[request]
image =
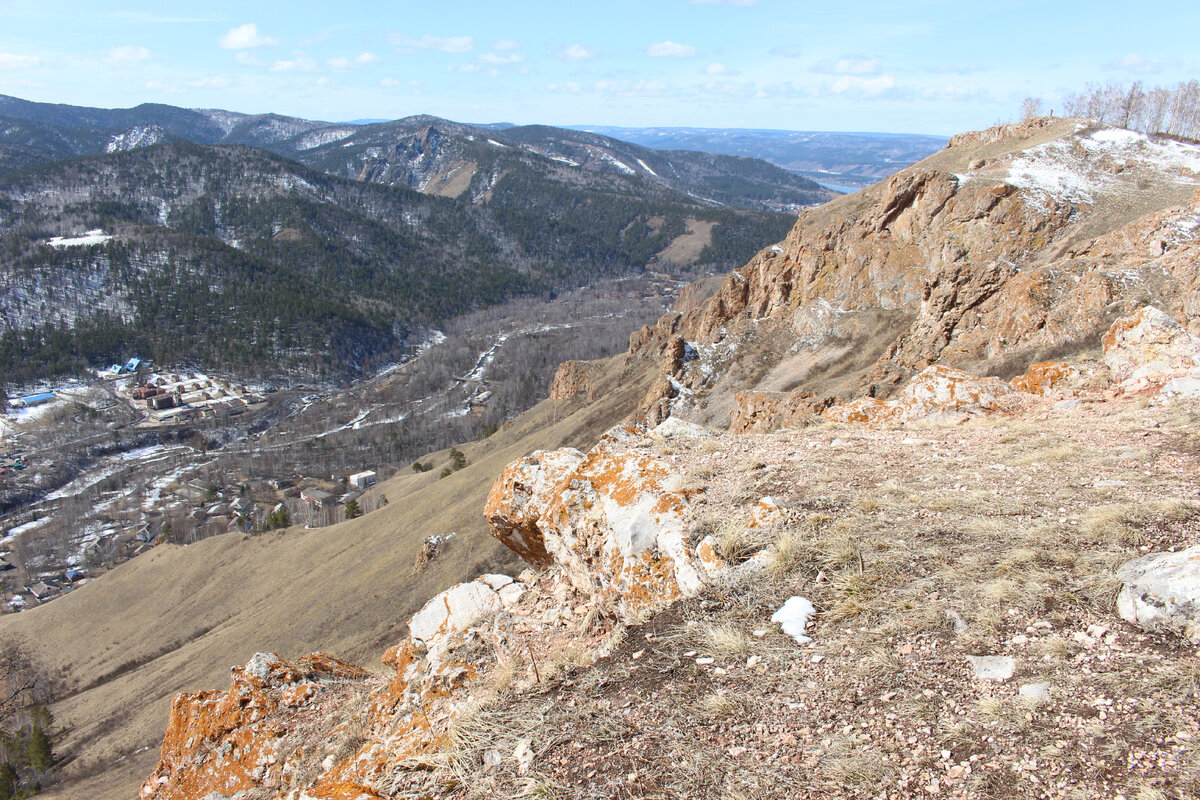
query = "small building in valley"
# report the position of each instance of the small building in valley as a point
(362, 480)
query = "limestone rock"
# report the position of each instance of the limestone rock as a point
(993, 668)
(606, 520)
(937, 390)
(1162, 591)
(1149, 338)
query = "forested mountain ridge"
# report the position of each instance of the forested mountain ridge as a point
(241, 258)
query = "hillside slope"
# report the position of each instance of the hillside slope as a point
(178, 616)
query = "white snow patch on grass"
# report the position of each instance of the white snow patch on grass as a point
(646, 167)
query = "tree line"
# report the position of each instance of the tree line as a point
(1172, 110)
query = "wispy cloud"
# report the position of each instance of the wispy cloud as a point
(443, 44)
(787, 50)
(344, 64)
(717, 68)
(1133, 62)
(126, 55)
(14, 61)
(669, 49)
(863, 86)
(301, 63)
(501, 59)
(576, 52)
(848, 66)
(245, 37)
(507, 44)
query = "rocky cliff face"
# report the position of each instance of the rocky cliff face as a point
(1018, 240)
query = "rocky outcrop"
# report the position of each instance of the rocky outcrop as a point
(608, 521)
(221, 743)
(606, 532)
(976, 248)
(1162, 592)
(939, 393)
(572, 378)
(1149, 343)
(762, 412)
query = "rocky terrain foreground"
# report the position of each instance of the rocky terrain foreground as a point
(908, 507)
(980, 591)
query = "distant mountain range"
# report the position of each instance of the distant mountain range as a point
(282, 244)
(850, 160)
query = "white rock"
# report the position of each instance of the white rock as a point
(1182, 387)
(673, 427)
(993, 668)
(1162, 591)
(1035, 691)
(1150, 339)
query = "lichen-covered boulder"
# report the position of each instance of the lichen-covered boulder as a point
(1162, 592)
(1147, 343)
(1044, 376)
(938, 391)
(608, 520)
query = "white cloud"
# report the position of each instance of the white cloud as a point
(848, 66)
(444, 44)
(506, 44)
(343, 64)
(576, 52)
(249, 59)
(856, 84)
(126, 55)
(787, 51)
(301, 63)
(1133, 62)
(497, 59)
(216, 82)
(14, 61)
(244, 37)
(718, 68)
(669, 49)
(388, 82)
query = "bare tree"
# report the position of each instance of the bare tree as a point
(1031, 107)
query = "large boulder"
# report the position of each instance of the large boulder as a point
(938, 392)
(610, 521)
(1147, 343)
(1162, 592)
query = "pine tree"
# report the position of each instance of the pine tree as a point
(39, 755)
(8, 781)
(352, 509)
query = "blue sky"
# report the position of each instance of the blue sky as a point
(922, 66)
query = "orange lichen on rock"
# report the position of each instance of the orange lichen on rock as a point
(224, 742)
(1043, 376)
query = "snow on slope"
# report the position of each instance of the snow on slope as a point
(1079, 168)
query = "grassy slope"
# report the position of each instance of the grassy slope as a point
(177, 618)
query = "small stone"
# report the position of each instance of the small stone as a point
(705, 661)
(753, 661)
(760, 633)
(993, 668)
(1035, 691)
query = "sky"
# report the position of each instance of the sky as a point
(916, 66)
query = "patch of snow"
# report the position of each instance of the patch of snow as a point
(646, 167)
(793, 617)
(1077, 168)
(497, 144)
(92, 237)
(562, 160)
(324, 136)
